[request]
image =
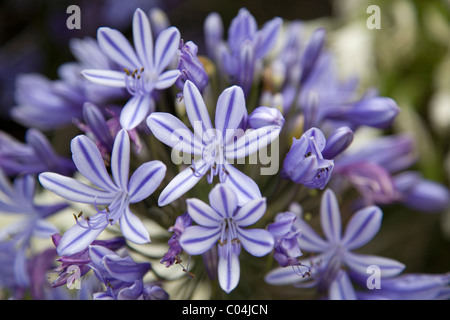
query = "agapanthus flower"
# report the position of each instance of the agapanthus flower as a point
(304, 163)
(335, 264)
(122, 276)
(144, 66)
(286, 233)
(224, 221)
(173, 255)
(212, 147)
(116, 195)
(18, 199)
(241, 56)
(34, 156)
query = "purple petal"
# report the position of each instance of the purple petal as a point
(166, 47)
(251, 141)
(197, 240)
(110, 78)
(145, 180)
(89, 162)
(25, 187)
(229, 111)
(133, 229)
(196, 110)
(171, 131)
(203, 214)
(120, 159)
(243, 27)
(114, 44)
(330, 216)
(267, 37)
(229, 271)
(166, 79)
(135, 111)
(44, 229)
(257, 242)
(245, 188)
(180, 184)
(362, 227)
(74, 190)
(77, 239)
(97, 123)
(309, 240)
(223, 200)
(143, 39)
(251, 212)
(359, 263)
(341, 288)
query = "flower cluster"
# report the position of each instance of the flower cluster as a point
(240, 152)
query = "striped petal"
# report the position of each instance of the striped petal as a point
(257, 242)
(245, 188)
(251, 212)
(166, 47)
(145, 180)
(309, 240)
(330, 216)
(223, 200)
(133, 229)
(359, 263)
(181, 183)
(196, 110)
(120, 159)
(110, 78)
(74, 190)
(229, 271)
(203, 214)
(197, 240)
(89, 162)
(143, 39)
(341, 288)
(166, 79)
(114, 44)
(135, 111)
(251, 142)
(362, 227)
(229, 111)
(78, 238)
(171, 131)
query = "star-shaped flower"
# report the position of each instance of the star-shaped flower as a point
(144, 66)
(116, 194)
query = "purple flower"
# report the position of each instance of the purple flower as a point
(143, 66)
(77, 265)
(286, 234)
(242, 55)
(305, 164)
(223, 221)
(173, 255)
(18, 199)
(421, 194)
(212, 147)
(115, 194)
(34, 156)
(334, 263)
(265, 116)
(191, 67)
(121, 275)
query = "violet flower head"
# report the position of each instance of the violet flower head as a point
(335, 264)
(122, 277)
(242, 55)
(191, 67)
(223, 221)
(34, 156)
(286, 234)
(305, 164)
(116, 194)
(173, 255)
(144, 67)
(211, 147)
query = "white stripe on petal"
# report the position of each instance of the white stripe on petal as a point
(203, 214)
(145, 180)
(341, 288)
(245, 188)
(120, 159)
(359, 263)
(197, 240)
(330, 216)
(132, 228)
(114, 44)
(143, 39)
(110, 78)
(135, 111)
(251, 212)
(362, 227)
(229, 272)
(166, 47)
(229, 111)
(257, 242)
(167, 79)
(224, 200)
